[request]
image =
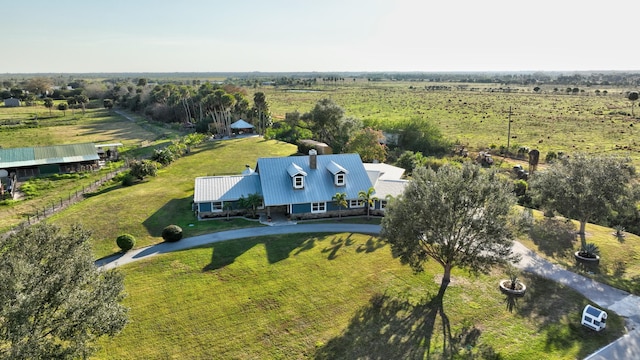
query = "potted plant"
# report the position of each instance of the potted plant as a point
(513, 285)
(589, 252)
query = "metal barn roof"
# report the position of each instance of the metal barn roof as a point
(57, 154)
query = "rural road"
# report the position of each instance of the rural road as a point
(621, 302)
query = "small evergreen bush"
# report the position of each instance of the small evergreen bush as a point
(172, 233)
(128, 180)
(126, 242)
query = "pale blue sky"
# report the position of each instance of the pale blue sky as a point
(327, 35)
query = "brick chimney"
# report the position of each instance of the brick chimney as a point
(313, 159)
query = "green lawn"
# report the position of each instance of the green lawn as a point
(556, 240)
(97, 125)
(145, 208)
(336, 296)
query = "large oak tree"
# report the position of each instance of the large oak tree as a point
(54, 301)
(585, 188)
(455, 216)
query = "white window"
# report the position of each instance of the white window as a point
(298, 182)
(340, 179)
(216, 206)
(356, 203)
(383, 204)
(318, 207)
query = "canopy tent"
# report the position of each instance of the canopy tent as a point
(241, 124)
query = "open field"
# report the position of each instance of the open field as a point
(339, 296)
(98, 126)
(299, 296)
(478, 119)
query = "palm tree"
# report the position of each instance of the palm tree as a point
(227, 207)
(227, 101)
(340, 199)
(251, 203)
(48, 103)
(185, 93)
(368, 198)
(261, 106)
(82, 99)
(71, 101)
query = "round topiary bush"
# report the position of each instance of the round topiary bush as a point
(172, 233)
(126, 242)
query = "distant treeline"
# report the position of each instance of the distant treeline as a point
(578, 78)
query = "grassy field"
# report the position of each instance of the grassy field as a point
(145, 208)
(546, 121)
(97, 126)
(333, 296)
(338, 296)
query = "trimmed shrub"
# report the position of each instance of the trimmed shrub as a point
(128, 180)
(126, 242)
(172, 233)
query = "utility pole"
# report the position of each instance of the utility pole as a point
(509, 132)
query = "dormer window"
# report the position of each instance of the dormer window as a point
(297, 176)
(339, 174)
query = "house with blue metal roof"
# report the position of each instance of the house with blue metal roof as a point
(302, 187)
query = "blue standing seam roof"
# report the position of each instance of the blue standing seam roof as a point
(319, 186)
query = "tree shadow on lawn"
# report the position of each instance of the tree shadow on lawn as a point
(278, 247)
(337, 242)
(175, 211)
(553, 237)
(549, 303)
(394, 328)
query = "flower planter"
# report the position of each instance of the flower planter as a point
(505, 287)
(586, 260)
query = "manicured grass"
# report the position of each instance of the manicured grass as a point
(556, 240)
(145, 208)
(339, 296)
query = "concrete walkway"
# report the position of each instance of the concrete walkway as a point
(607, 297)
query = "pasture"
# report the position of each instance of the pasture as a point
(478, 119)
(333, 296)
(96, 125)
